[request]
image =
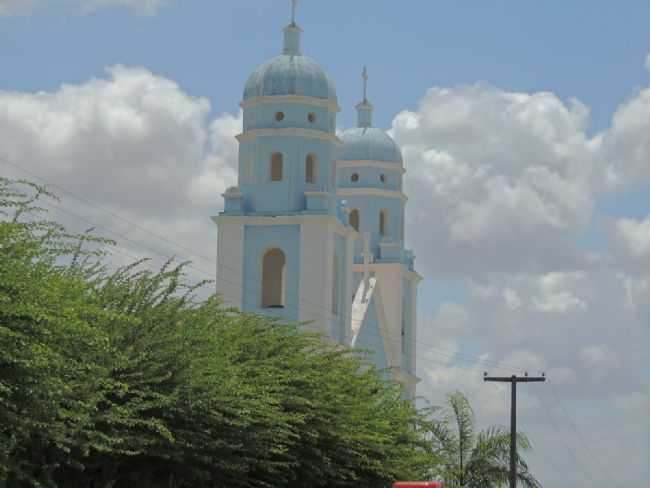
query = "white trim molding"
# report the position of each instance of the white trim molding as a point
(289, 131)
(336, 224)
(316, 193)
(371, 192)
(371, 164)
(297, 99)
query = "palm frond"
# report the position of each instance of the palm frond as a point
(464, 418)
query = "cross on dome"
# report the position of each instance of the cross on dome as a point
(364, 75)
(365, 107)
(294, 8)
(292, 33)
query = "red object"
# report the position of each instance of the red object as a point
(418, 484)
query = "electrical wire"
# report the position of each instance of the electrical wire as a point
(431, 349)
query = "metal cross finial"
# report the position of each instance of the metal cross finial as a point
(364, 75)
(294, 7)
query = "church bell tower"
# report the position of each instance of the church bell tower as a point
(283, 249)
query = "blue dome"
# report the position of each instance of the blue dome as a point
(369, 144)
(290, 75)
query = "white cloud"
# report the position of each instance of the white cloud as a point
(599, 360)
(501, 184)
(555, 293)
(626, 145)
(8, 7)
(146, 6)
(136, 144)
(501, 180)
(11, 7)
(630, 239)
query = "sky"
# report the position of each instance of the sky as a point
(525, 128)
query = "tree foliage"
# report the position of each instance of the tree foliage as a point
(470, 459)
(124, 378)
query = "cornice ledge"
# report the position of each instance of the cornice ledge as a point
(298, 99)
(376, 192)
(289, 131)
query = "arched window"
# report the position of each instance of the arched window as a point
(311, 169)
(354, 219)
(383, 221)
(354, 177)
(273, 266)
(276, 167)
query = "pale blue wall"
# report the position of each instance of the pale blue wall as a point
(370, 178)
(295, 115)
(261, 195)
(258, 240)
(369, 208)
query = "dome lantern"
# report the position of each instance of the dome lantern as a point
(292, 34)
(365, 108)
(365, 142)
(292, 40)
(291, 73)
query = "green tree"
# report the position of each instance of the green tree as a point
(471, 459)
(124, 378)
(50, 366)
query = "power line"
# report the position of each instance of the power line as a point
(105, 210)
(577, 460)
(581, 438)
(457, 356)
(192, 253)
(116, 248)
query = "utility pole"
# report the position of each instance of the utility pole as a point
(513, 380)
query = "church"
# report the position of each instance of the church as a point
(314, 231)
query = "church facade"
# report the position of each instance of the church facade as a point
(314, 231)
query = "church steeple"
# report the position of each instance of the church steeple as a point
(365, 108)
(292, 33)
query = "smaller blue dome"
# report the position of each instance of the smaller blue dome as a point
(369, 144)
(290, 75)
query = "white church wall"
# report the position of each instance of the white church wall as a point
(230, 261)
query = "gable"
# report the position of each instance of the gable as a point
(369, 328)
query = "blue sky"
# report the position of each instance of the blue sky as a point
(532, 231)
(592, 50)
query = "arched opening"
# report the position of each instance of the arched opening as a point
(354, 219)
(311, 170)
(354, 177)
(273, 266)
(383, 221)
(277, 162)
